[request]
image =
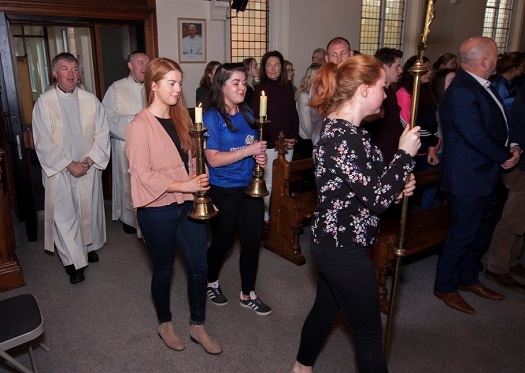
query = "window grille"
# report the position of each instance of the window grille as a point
(496, 24)
(249, 31)
(381, 25)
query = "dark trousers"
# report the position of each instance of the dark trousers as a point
(163, 228)
(346, 282)
(471, 227)
(237, 212)
(507, 241)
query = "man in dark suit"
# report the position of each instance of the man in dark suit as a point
(478, 144)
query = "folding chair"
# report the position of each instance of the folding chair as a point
(20, 322)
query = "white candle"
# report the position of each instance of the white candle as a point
(198, 114)
(263, 105)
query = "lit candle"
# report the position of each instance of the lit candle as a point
(263, 105)
(198, 114)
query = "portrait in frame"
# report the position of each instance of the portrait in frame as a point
(192, 40)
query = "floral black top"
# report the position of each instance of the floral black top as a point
(353, 185)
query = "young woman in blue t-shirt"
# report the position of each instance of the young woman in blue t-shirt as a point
(231, 152)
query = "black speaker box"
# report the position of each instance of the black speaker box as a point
(239, 5)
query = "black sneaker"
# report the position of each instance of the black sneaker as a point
(255, 304)
(216, 296)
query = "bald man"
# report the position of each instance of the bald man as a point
(478, 143)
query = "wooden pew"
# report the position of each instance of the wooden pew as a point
(425, 230)
(291, 206)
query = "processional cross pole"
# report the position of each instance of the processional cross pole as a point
(399, 252)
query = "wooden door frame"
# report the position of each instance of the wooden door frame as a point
(36, 11)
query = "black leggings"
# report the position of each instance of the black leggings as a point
(237, 212)
(346, 282)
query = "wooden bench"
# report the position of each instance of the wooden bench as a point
(291, 205)
(424, 230)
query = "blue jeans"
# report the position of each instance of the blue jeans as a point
(163, 228)
(346, 283)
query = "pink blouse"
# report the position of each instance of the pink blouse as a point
(154, 163)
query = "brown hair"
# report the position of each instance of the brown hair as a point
(335, 84)
(507, 61)
(156, 70)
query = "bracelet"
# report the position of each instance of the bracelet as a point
(238, 155)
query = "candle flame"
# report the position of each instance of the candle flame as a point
(200, 104)
(262, 93)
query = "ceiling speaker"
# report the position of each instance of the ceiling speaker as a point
(239, 5)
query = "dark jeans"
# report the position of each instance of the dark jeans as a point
(163, 228)
(237, 212)
(346, 282)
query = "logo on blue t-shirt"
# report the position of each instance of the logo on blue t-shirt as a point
(249, 139)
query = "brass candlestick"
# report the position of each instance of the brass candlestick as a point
(202, 205)
(257, 186)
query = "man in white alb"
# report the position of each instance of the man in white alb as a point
(72, 143)
(192, 44)
(122, 101)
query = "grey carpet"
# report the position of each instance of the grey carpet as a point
(107, 323)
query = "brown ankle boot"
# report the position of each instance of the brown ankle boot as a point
(169, 335)
(199, 334)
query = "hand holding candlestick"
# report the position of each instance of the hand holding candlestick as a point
(202, 205)
(257, 186)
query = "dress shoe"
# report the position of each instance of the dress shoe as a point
(505, 280)
(518, 270)
(128, 228)
(93, 257)
(454, 300)
(199, 335)
(481, 290)
(76, 276)
(170, 337)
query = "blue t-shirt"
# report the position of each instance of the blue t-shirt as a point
(219, 137)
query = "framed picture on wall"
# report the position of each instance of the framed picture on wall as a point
(192, 40)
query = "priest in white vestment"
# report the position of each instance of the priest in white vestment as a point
(122, 101)
(72, 143)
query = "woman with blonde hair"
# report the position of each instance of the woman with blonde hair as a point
(302, 98)
(161, 153)
(353, 187)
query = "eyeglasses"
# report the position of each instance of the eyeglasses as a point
(290, 70)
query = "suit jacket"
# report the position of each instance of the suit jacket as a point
(475, 138)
